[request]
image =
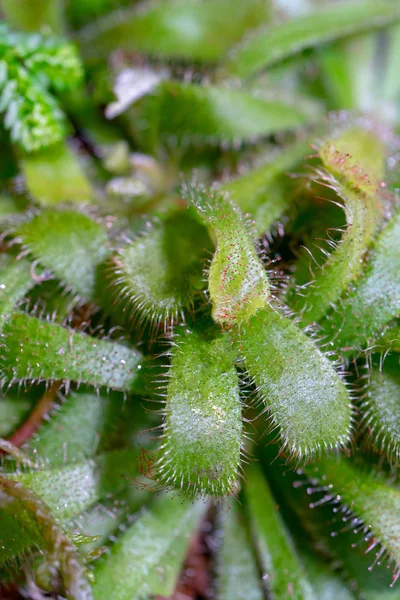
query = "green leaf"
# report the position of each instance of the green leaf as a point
(138, 560)
(39, 350)
(380, 408)
(355, 165)
(304, 394)
(202, 438)
(260, 192)
(286, 577)
(237, 282)
(197, 31)
(68, 243)
(370, 499)
(54, 175)
(12, 411)
(29, 16)
(29, 65)
(15, 282)
(374, 300)
(192, 114)
(31, 510)
(237, 573)
(71, 489)
(278, 42)
(158, 275)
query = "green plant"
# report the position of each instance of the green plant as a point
(200, 299)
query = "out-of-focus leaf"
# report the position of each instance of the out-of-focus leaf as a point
(192, 114)
(28, 16)
(54, 175)
(198, 31)
(276, 43)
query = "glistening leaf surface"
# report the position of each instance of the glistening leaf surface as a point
(202, 436)
(278, 42)
(39, 350)
(304, 394)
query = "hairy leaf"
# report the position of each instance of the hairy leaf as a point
(381, 408)
(196, 31)
(68, 243)
(374, 502)
(15, 499)
(237, 573)
(286, 576)
(15, 282)
(69, 490)
(158, 274)
(202, 437)
(237, 282)
(305, 396)
(355, 163)
(136, 562)
(39, 350)
(272, 45)
(374, 300)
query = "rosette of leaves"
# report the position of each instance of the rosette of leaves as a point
(199, 300)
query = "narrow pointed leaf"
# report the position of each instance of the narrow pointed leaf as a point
(276, 43)
(68, 243)
(285, 575)
(136, 561)
(39, 350)
(304, 394)
(237, 281)
(202, 438)
(237, 573)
